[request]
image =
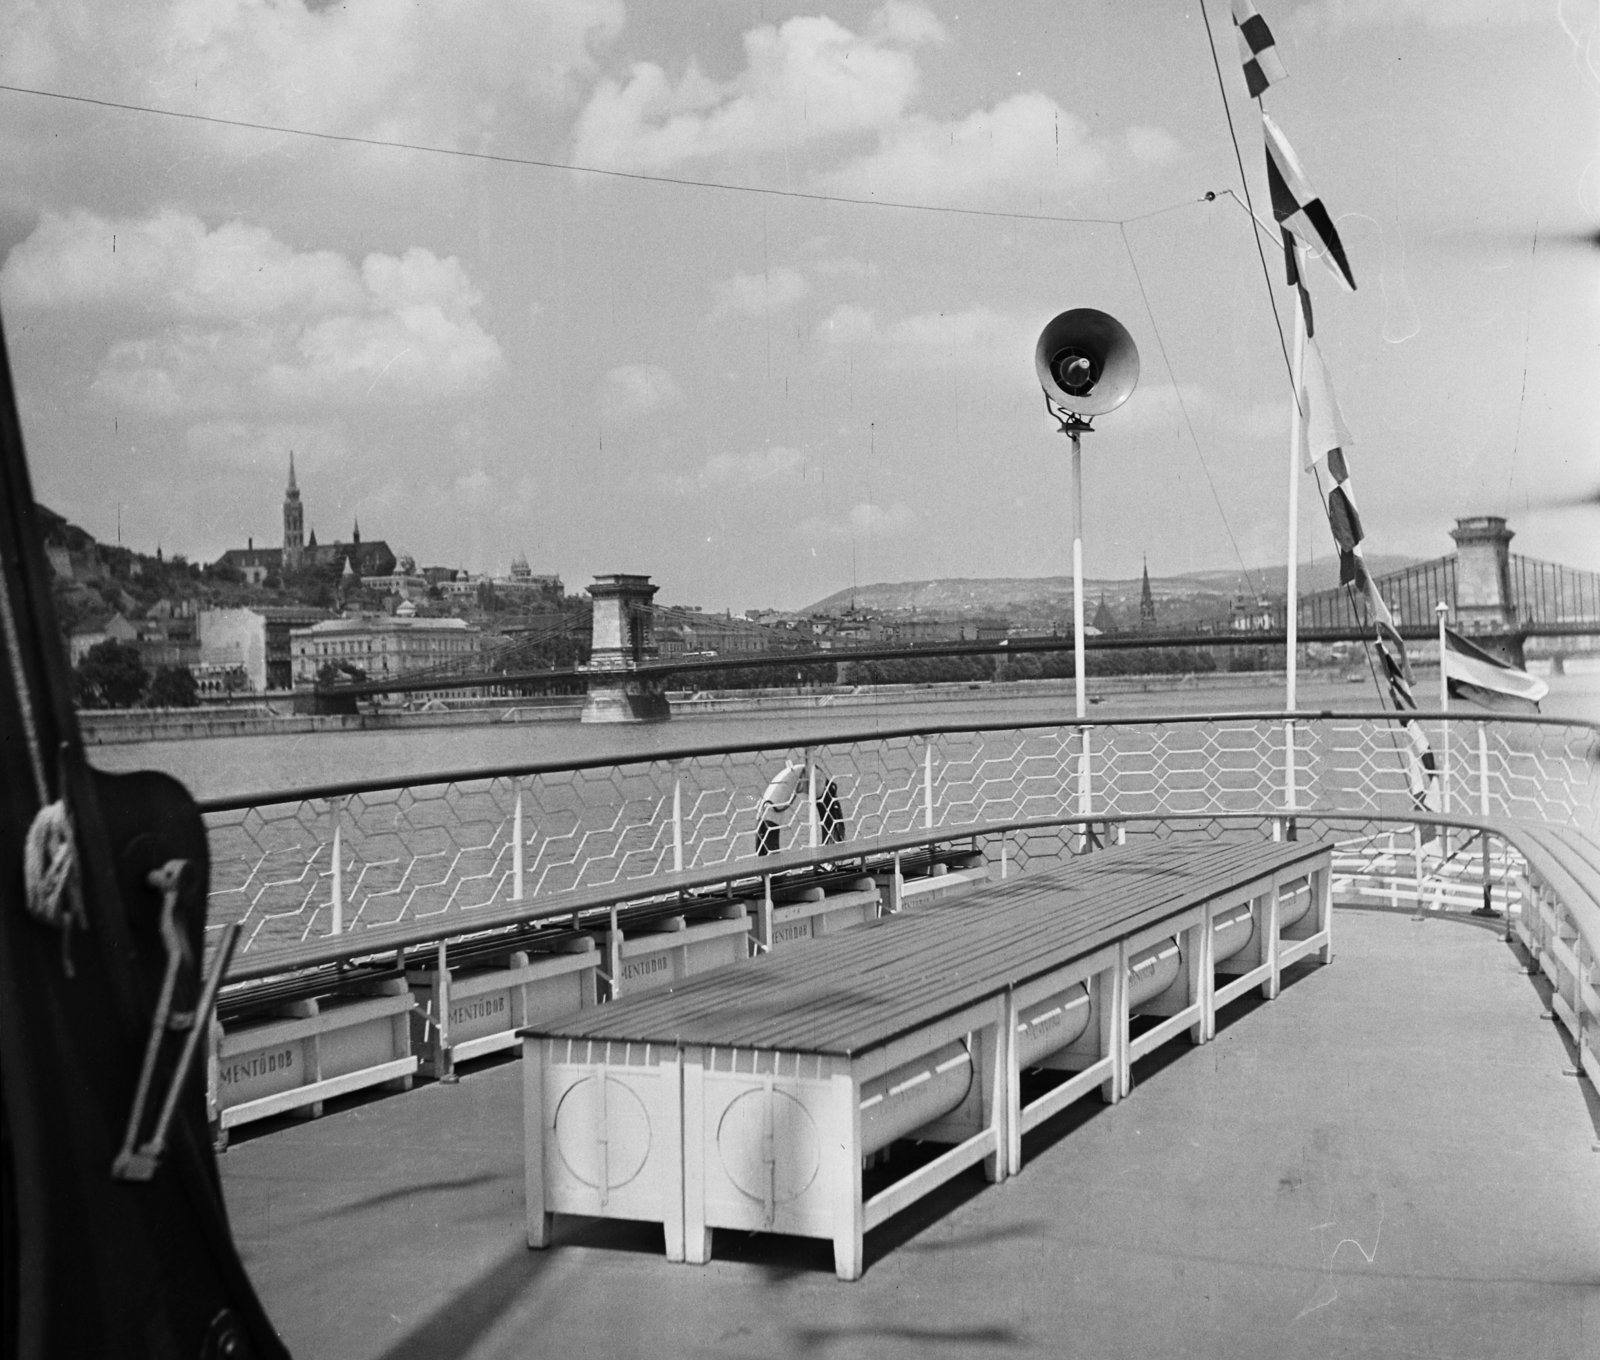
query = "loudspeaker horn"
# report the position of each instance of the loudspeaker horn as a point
(1087, 362)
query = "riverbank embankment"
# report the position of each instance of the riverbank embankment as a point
(137, 726)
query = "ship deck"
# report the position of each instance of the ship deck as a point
(1393, 1158)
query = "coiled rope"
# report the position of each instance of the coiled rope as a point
(50, 875)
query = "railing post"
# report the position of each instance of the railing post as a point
(764, 925)
(1483, 770)
(896, 882)
(1005, 843)
(516, 847)
(1416, 856)
(813, 819)
(1488, 888)
(927, 785)
(338, 866)
(614, 954)
(444, 1062)
(1085, 789)
(677, 821)
(1290, 781)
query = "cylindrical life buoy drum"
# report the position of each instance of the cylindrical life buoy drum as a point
(1151, 971)
(1293, 905)
(1053, 1023)
(1231, 931)
(913, 1095)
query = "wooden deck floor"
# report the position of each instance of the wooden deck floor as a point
(1389, 1160)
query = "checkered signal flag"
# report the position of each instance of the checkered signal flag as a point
(1297, 208)
(1325, 437)
(1257, 50)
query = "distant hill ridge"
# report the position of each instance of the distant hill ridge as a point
(1034, 595)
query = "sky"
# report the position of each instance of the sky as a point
(760, 394)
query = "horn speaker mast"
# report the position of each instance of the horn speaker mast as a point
(1087, 365)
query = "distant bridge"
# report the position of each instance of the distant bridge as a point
(1504, 600)
(520, 678)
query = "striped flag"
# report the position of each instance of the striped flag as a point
(1257, 50)
(1297, 208)
(1474, 674)
(1422, 770)
(1343, 517)
(1325, 437)
(1291, 262)
(1321, 420)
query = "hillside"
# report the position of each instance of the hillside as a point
(1198, 595)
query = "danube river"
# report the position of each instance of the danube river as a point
(239, 766)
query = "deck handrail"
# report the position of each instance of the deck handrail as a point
(527, 769)
(325, 873)
(372, 942)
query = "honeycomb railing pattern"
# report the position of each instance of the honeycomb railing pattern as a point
(354, 859)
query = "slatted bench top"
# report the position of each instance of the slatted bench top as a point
(864, 988)
(1567, 859)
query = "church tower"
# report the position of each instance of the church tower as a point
(1147, 601)
(294, 542)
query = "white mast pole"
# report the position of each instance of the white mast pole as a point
(1292, 602)
(1084, 777)
(1077, 571)
(1292, 609)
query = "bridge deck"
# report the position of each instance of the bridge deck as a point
(1390, 1159)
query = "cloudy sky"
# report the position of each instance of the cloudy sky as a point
(757, 397)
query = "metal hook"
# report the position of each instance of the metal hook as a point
(139, 1164)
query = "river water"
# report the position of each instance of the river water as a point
(227, 767)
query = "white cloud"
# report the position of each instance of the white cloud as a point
(865, 520)
(806, 80)
(250, 322)
(170, 264)
(1158, 406)
(1027, 151)
(440, 73)
(1431, 13)
(634, 390)
(977, 336)
(1151, 145)
(1262, 420)
(239, 443)
(752, 469)
(757, 294)
(845, 266)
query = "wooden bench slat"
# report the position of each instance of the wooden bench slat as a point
(883, 978)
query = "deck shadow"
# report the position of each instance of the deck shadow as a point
(812, 1339)
(1495, 924)
(370, 1095)
(456, 1324)
(1544, 989)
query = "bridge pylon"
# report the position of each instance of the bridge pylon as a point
(623, 638)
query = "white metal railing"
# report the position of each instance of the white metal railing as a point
(354, 859)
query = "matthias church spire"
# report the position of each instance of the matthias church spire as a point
(293, 523)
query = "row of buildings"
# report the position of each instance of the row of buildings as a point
(263, 648)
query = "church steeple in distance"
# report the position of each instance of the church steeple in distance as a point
(293, 523)
(1147, 601)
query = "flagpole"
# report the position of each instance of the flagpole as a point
(1292, 614)
(1443, 611)
(1292, 602)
